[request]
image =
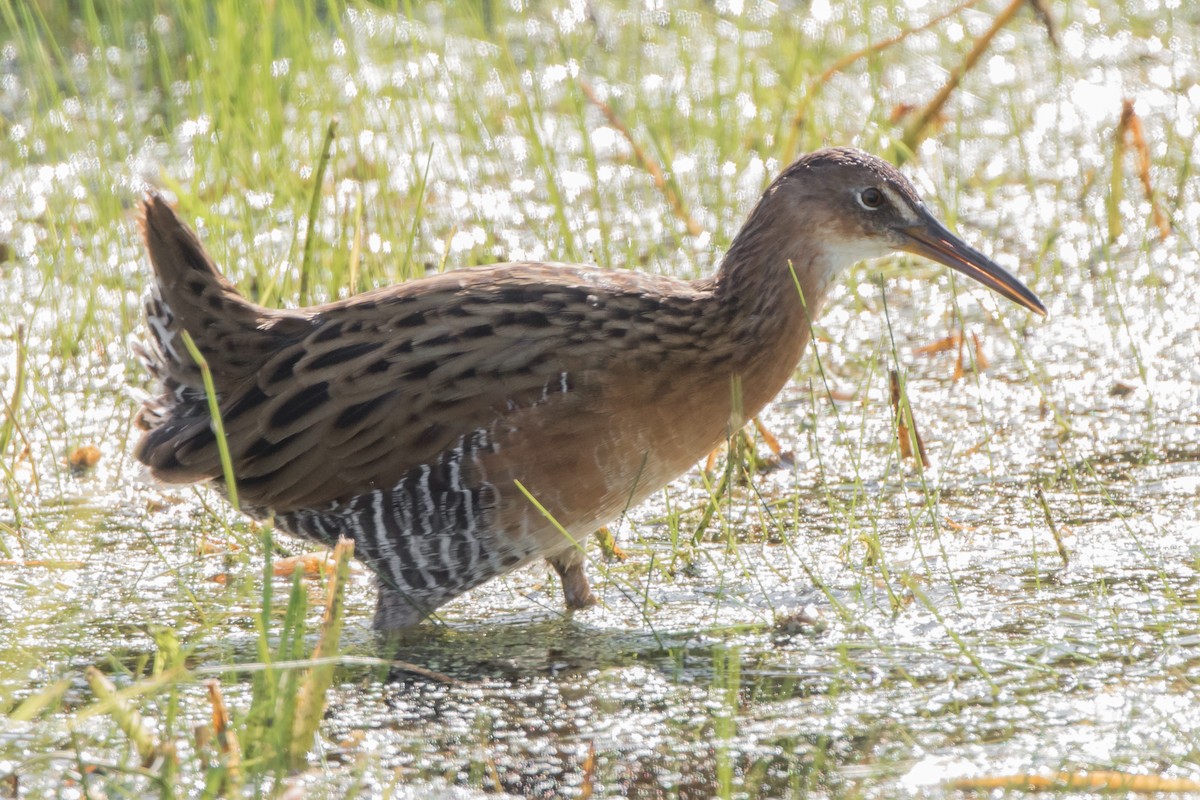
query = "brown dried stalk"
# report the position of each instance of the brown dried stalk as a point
(648, 164)
(916, 131)
(227, 740)
(1130, 132)
(906, 426)
(1102, 780)
(788, 151)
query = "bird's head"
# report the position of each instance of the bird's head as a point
(854, 206)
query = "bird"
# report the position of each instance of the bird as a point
(459, 426)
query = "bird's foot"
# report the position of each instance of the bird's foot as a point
(576, 590)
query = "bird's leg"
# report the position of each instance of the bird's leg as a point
(569, 566)
(394, 610)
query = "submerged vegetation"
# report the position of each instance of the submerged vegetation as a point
(1002, 598)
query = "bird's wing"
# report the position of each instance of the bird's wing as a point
(322, 403)
(382, 384)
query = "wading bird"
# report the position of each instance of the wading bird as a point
(420, 419)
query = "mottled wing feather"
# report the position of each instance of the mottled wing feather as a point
(398, 383)
(331, 401)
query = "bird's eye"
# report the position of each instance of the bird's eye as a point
(870, 198)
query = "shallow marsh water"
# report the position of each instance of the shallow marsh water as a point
(847, 624)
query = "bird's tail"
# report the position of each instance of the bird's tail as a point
(234, 335)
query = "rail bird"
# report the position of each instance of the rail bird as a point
(420, 419)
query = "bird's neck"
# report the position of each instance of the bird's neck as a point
(770, 291)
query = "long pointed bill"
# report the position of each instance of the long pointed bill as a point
(931, 239)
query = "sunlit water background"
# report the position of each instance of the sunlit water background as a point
(850, 624)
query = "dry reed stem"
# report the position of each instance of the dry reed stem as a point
(906, 426)
(1130, 131)
(981, 362)
(940, 346)
(307, 564)
(310, 564)
(957, 341)
(648, 164)
(227, 740)
(310, 699)
(771, 441)
(1103, 780)
(788, 151)
(958, 362)
(918, 128)
(608, 543)
(768, 437)
(587, 785)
